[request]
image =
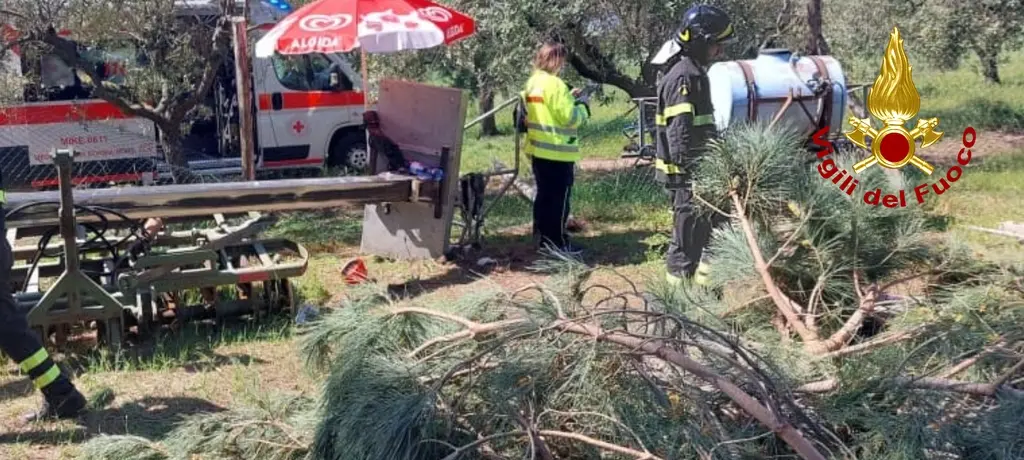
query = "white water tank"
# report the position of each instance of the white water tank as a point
(758, 89)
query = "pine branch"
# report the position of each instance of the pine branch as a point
(743, 305)
(783, 429)
(763, 414)
(601, 444)
(537, 444)
(792, 236)
(969, 362)
(1008, 374)
(878, 342)
(865, 306)
(460, 451)
(782, 302)
(923, 383)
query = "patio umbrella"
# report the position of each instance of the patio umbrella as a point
(375, 26)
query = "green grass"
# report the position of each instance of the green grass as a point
(193, 347)
(988, 194)
(961, 97)
(626, 197)
(600, 138)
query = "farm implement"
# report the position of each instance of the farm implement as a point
(84, 257)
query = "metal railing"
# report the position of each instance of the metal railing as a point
(472, 224)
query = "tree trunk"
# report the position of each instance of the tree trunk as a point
(990, 66)
(488, 126)
(816, 44)
(174, 154)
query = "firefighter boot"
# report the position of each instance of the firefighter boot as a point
(699, 278)
(703, 272)
(61, 400)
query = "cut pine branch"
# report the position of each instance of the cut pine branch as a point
(790, 309)
(782, 302)
(783, 429)
(925, 383)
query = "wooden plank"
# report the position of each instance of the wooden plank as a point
(422, 120)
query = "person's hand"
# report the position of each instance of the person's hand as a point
(153, 226)
(576, 92)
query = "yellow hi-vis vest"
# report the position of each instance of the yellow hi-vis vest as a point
(552, 119)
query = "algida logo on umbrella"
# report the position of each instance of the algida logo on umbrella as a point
(894, 100)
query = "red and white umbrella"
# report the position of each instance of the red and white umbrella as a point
(375, 26)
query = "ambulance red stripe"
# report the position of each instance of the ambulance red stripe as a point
(302, 162)
(313, 99)
(31, 114)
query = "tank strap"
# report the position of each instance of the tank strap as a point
(748, 76)
(826, 113)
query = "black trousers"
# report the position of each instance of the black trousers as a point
(691, 232)
(551, 205)
(17, 340)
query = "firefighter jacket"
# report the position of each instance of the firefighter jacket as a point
(685, 121)
(553, 117)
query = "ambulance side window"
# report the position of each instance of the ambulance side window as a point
(306, 72)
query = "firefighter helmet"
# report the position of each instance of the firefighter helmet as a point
(702, 26)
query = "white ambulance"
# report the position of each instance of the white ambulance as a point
(308, 113)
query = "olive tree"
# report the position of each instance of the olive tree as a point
(988, 28)
(178, 54)
(496, 60)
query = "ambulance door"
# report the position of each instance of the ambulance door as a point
(300, 104)
(264, 84)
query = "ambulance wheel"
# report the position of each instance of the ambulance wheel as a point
(349, 150)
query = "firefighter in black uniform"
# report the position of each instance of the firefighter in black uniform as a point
(685, 123)
(60, 397)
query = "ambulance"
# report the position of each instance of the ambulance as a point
(308, 114)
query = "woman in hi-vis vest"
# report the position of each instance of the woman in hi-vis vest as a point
(553, 115)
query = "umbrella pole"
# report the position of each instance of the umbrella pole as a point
(366, 79)
(366, 106)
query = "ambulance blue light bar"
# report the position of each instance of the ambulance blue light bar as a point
(279, 4)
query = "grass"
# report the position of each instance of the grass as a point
(962, 98)
(203, 370)
(991, 193)
(600, 138)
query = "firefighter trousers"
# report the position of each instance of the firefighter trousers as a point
(691, 232)
(17, 340)
(551, 205)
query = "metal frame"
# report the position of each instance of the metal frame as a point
(637, 132)
(472, 222)
(73, 286)
(171, 262)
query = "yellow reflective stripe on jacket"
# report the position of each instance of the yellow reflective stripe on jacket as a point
(3, 197)
(552, 119)
(699, 120)
(552, 129)
(666, 168)
(678, 109)
(554, 147)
